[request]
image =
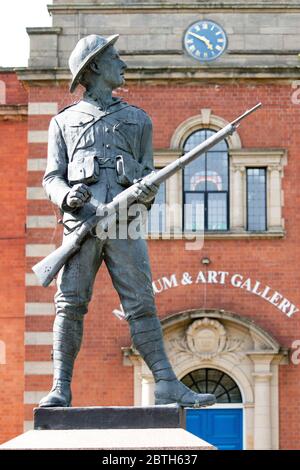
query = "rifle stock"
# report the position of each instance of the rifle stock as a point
(48, 268)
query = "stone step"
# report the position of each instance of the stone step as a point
(104, 439)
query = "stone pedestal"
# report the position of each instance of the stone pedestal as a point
(113, 428)
(109, 417)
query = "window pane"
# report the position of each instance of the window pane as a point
(206, 175)
(195, 139)
(214, 381)
(256, 198)
(194, 212)
(157, 214)
(217, 171)
(217, 211)
(194, 175)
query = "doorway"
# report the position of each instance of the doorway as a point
(222, 424)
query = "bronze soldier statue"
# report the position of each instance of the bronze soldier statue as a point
(98, 147)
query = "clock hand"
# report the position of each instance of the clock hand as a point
(203, 39)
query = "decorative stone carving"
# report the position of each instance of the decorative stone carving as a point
(206, 339)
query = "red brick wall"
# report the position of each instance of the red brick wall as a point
(15, 91)
(13, 154)
(100, 377)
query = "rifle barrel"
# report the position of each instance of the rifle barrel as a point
(246, 113)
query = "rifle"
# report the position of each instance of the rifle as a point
(48, 268)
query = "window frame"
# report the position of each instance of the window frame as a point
(206, 192)
(273, 160)
(266, 196)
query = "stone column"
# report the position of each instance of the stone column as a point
(147, 390)
(262, 411)
(262, 394)
(274, 196)
(174, 203)
(238, 209)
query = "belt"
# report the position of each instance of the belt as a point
(106, 162)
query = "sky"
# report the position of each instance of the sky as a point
(15, 17)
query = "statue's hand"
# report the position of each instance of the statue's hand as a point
(146, 192)
(78, 196)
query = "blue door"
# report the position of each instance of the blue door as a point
(220, 427)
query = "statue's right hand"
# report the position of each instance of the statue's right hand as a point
(79, 195)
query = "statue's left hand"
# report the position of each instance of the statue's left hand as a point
(146, 192)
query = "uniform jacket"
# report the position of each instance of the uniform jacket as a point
(83, 130)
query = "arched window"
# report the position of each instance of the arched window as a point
(214, 381)
(206, 186)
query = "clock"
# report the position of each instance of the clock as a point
(205, 40)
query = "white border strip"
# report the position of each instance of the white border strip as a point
(38, 368)
(32, 280)
(36, 164)
(36, 193)
(33, 398)
(38, 338)
(42, 108)
(39, 250)
(39, 309)
(28, 426)
(37, 137)
(41, 221)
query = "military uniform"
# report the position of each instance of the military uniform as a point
(84, 131)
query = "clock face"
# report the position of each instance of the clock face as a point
(205, 40)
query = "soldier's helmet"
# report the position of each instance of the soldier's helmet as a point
(84, 52)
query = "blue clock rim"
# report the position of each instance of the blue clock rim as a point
(208, 59)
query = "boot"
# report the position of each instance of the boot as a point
(67, 336)
(146, 334)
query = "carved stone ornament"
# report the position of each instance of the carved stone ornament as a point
(206, 339)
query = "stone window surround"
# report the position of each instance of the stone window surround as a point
(274, 159)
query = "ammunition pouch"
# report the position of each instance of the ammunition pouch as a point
(87, 169)
(84, 170)
(128, 170)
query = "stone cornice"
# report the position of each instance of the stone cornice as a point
(145, 7)
(230, 235)
(7, 70)
(184, 74)
(16, 112)
(44, 30)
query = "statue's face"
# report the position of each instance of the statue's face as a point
(111, 67)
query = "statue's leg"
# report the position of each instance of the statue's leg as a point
(132, 279)
(75, 283)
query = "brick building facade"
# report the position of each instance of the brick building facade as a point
(231, 306)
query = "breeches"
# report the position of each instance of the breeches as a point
(128, 265)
